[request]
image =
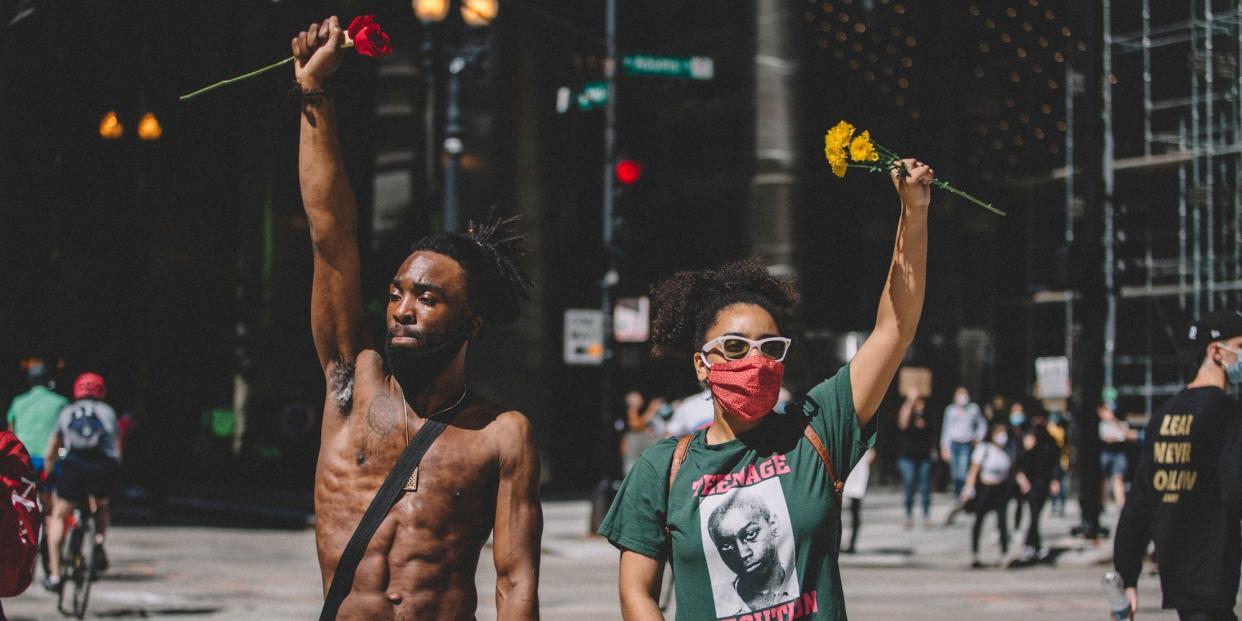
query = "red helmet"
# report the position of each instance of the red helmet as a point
(89, 386)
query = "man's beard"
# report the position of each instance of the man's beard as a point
(416, 368)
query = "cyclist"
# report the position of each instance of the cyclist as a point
(87, 429)
(32, 415)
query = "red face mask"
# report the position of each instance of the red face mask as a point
(748, 388)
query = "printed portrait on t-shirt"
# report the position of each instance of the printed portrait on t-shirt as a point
(749, 545)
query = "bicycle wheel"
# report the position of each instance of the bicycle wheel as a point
(69, 548)
(85, 570)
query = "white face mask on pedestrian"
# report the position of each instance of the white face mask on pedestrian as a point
(1000, 438)
(1233, 371)
(961, 398)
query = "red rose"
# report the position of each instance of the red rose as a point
(372, 41)
(356, 26)
(369, 39)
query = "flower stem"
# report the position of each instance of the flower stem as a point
(237, 79)
(871, 167)
(887, 153)
(944, 185)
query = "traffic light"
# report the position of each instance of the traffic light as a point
(628, 174)
(628, 171)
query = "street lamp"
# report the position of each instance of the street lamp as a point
(431, 11)
(110, 127)
(149, 127)
(457, 23)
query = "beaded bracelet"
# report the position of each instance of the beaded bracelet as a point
(312, 97)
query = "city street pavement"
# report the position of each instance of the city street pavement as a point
(214, 572)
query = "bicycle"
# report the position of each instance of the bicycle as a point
(78, 568)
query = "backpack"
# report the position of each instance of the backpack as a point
(20, 517)
(85, 426)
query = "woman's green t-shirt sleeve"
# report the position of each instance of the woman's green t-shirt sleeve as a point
(830, 407)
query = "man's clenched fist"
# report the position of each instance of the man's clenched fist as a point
(317, 53)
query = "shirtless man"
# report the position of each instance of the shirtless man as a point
(482, 473)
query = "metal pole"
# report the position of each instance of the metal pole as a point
(452, 143)
(1090, 268)
(1069, 203)
(609, 281)
(1235, 90)
(1183, 235)
(1110, 216)
(1147, 135)
(430, 112)
(1149, 306)
(1209, 180)
(1196, 151)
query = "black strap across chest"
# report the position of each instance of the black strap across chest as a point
(343, 579)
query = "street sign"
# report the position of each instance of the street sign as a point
(584, 336)
(685, 67)
(631, 320)
(1053, 375)
(914, 378)
(593, 95)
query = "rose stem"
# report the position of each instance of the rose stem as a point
(348, 43)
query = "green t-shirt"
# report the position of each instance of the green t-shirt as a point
(32, 417)
(754, 527)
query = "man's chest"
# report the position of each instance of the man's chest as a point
(458, 472)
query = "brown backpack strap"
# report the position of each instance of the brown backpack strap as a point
(679, 456)
(837, 485)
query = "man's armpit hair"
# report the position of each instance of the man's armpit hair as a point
(341, 384)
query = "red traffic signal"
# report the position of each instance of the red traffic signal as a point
(628, 172)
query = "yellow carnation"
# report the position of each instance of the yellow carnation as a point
(861, 149)
(835, 143)
(839, 165)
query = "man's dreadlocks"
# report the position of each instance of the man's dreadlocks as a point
(490, 255)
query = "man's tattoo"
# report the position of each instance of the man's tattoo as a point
(382, 415)
(341, 384)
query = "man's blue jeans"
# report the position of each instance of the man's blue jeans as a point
(916, 473)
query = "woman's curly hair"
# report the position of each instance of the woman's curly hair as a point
(491, 256)
(686, 304)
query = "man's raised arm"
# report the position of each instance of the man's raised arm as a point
(901, 304)
(336, 294)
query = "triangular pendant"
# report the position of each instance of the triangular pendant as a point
(411, 485)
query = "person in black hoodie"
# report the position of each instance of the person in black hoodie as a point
(1018, 427)
(1187, 493)
(1038, 479)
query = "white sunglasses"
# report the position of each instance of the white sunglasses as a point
(738, 347)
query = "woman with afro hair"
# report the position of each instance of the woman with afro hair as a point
(773, 555)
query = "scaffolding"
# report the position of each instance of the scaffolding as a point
(1171, 169)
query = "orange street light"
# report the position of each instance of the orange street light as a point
(110, 127)
(149, 128)
(479, 13)
(431, 11)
